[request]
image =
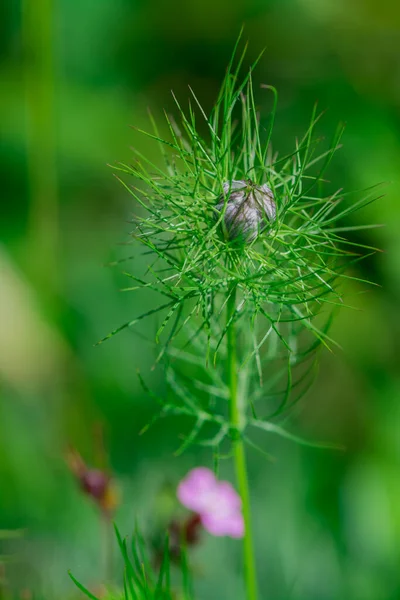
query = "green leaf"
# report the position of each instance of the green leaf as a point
(82, 588)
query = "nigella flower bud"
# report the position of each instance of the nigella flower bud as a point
(248, 208)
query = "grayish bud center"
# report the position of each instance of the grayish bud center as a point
(249, 208)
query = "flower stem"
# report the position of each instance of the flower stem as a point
(236, 416)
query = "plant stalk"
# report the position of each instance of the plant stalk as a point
(239, 455)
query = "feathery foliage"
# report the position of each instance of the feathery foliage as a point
(283, 287)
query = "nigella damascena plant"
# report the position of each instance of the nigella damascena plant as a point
(239, 330)
(246, 209)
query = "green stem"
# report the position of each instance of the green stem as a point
(236, 416)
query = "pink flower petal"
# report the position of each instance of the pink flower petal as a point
(194, 491)
(228, 496)
(231, 525)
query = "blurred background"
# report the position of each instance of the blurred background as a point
(74, 76)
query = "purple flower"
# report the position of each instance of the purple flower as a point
(216, 502)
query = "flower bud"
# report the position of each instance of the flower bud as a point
(94, 482)
(248, 209)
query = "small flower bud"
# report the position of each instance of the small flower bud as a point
(94, 482)
(248, 209)
(188, 532)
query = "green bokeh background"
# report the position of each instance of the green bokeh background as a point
(74, 77)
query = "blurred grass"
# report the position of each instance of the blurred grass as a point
(328, 525)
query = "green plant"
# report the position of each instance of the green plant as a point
(243, 315)
(141, 580)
